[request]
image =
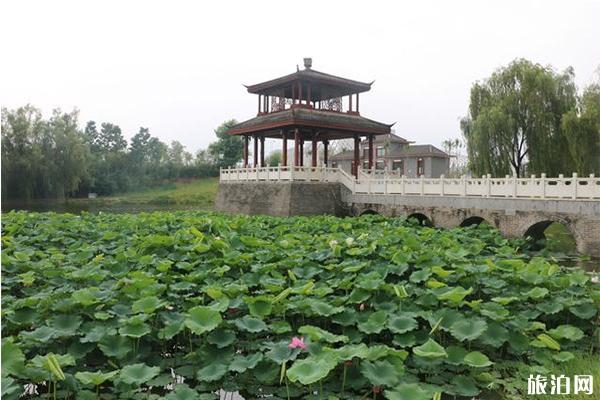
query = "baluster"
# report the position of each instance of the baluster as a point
(543, 184)
(403, 183)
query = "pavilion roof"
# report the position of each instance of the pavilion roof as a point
(330, 124)
(323, 86)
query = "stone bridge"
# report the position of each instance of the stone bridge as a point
(517, 207)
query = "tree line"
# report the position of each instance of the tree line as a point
(528, 119)
(55, 158)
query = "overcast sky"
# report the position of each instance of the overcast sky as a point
(177, 67)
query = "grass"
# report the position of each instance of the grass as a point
(198, 192)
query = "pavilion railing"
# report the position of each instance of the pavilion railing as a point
(572, 187)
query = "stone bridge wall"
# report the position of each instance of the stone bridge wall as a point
(514, 217)
(281, 199)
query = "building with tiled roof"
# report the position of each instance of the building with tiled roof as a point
(397, 155)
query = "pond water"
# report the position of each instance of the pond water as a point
(560, 242)
(76, 207)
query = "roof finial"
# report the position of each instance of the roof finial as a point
(308, 63)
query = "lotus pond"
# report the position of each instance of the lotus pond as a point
(181, 305)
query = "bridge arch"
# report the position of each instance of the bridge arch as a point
(536, 231)
(423, 219)
(368, 211)
(473, 220)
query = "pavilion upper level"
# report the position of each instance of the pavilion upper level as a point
(308, 105)
(311, 100)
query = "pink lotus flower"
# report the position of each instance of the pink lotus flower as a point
(297, 342)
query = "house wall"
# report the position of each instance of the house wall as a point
(439, 166)
(434, 167)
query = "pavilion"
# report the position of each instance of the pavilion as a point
(308, 106)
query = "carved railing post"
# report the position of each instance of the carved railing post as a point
(543, 184)
(403, 184)
(574, 183)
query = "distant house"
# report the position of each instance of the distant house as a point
(397, 155)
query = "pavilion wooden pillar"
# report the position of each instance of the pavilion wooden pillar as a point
(370, 152)
(284, 149)
(357, 102)
(245, 151)
(296, 147)
(325, 146)
(301, 151)
(314, 151)
(350, 103)
(262, 151)
(255, 151)
(356, 154)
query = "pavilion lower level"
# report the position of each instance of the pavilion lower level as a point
(299, 139)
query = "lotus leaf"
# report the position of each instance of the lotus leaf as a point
(202, 319)
(250, 324)
(12, 358)
(317, 334)
(379, 373)
(146, 305)
(468, 329)
(212, 372)
(138, 374)
(408, 391)
(374, 323)
(477, 359)
(94, 378)
(402, 324)
(430, 349)
(311, 369)
(569, 332)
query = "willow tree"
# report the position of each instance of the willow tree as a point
(582, 130)
(514, 121)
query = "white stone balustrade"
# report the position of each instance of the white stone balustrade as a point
(572, 187)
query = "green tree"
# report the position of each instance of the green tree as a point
(228, 149)
(69, 154)
(274, 159)
(22, 133)
(582, 130)
(514, 121)
(109, 164)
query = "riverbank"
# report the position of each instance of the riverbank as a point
(198, 194)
